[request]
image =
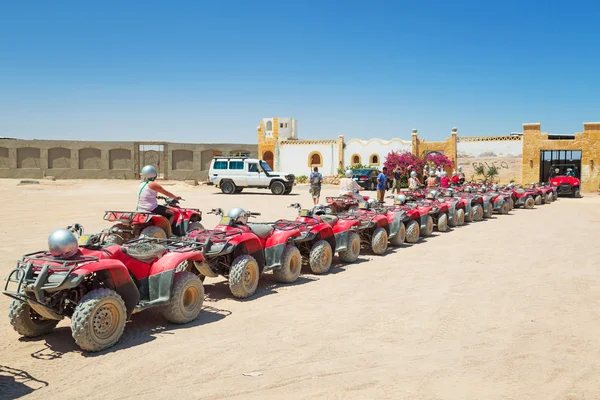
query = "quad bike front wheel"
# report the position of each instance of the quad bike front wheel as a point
(187, 296)
(413, 231)
(400, 238)
(379, 241)
(320, 257)
(27, 322)
(99, 320)
(153, 232)
(489, 211)
(353, 250)
(477, 212)
(442, 223)
(195, 226)
(291, 265)
(538, 200)
(460, 217)
(505, 208)
(550, 197)
(427, 225)
(529, 203)
(243, 276)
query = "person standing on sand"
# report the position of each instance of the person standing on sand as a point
(397, 177)
(315, 179)
(381, 185)
(461, 175)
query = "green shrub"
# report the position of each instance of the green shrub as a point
(302, 179)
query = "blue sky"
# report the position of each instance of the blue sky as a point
(208, 71)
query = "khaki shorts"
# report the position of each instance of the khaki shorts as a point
(316, 192)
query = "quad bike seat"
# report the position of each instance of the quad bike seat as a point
(261, 230)
(520, 191)
(329, 219)
(145, 252)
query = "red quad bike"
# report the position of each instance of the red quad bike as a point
(538, 196)
(524, 198)
(411, 219)
(396, 217)
(133, 224)
(99, 288)
(565, 181)
(242, 251)
(477, 205)
(456, 207)
(343, 203)
(373, 227)
(322, 235)
(548, 192)
(500, 202)
(433, 213)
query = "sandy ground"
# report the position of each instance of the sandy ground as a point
(507, 308)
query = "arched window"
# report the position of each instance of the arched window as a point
(374, 159)
(355, 159)
(269, 126)
(315, 159)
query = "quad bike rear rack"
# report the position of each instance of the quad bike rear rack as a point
(127, 216)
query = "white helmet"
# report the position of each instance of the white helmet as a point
(495, 187)
(349, 173)
(401, 199)
(372, 202)
(459, 169)
(413, 174)
(238, 215)
(319, 209)
(432, 195)
(444, 173)
(469, 189)
(149, 172)
(450, 192)
(62, 243)
(454, 173)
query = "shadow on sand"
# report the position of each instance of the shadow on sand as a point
(15, 383)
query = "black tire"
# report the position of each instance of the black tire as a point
(413, 231)
(511, 204)
(243, 276)
(505, 208)
(577, 193)
(320, 257)
(196, 225)
(379, 241)
(288, 191)
(372, 186)
(538, 200)
(114, 239)
(277, 188)
(400, 238)
(228, 187)
(477, 212)
(187, 295)
(238, 190)
(550, 197)
(291, 265)
(27, 322)
(529, 203)
(469, 216)
(153, 232)
(90, 323)
(442, 223)
(546, 199)
(460, 217)
(427, 227)
(489, 212)
(353, 250)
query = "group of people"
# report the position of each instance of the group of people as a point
(435, 178)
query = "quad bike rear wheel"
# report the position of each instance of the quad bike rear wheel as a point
(469, 215)
(460, 217)
(505, 208)
(529, 203)
(27, 322)
(413, 231)
(400, 238)
(538, 200)
(243, 276)
(511, 204)
(442, 223)
(320, 257)
(99, 320)
(195, 226)
(153, 232)
(353, 250)
(489, 211)
(379, 241)
(187, 295)
(477, 212)
(550, 197)
(291, 265)
(228, 187)
(427, 226)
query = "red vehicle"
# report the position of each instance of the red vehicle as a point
(548, 192)
(343, 203)
(500, 202)
(411, 218)
(456, 207)
(524, 198)
(373, 228)
(242, 251)
(133, 224)
(433, 212)
(99, 288)
(396, 216)
(565, 178)
(477, 204)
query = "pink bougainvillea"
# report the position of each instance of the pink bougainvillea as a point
(438, 160)
(403, 160)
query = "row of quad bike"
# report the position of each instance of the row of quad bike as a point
(143, 261)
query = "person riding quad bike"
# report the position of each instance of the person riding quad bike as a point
(147, 196)
(349, 187)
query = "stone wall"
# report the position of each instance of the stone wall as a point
(587, 141)
(66, 159)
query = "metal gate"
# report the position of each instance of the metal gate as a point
(153, 154)
(549, 158)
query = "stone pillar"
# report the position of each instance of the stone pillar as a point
(453, 149)
(415, 142)
(532, 134)
(340, 143)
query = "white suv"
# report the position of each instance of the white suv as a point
(233, 174)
